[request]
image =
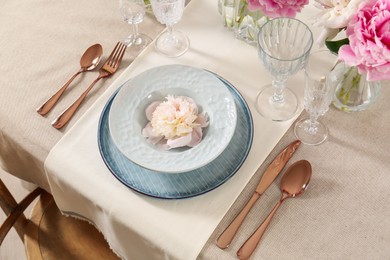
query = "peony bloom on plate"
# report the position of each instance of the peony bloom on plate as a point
(368, 32)
(277, 8)
(174, 123)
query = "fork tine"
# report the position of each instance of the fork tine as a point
(118, 53)
(115, 57)
(114, 53)
(109, 59)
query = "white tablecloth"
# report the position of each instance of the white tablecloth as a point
(140, 227)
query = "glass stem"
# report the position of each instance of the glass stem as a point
(135, 31)
(170, 28)
(279, 84)
(312, 128)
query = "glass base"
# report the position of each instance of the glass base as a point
(137, 43)
(276, 111)
(308, 134)
(172, 44)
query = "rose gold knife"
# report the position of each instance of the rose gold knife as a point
(268, 177)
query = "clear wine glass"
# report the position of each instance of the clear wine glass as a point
(322, 74)
(171, 43)
(133, 12)
(283, 47)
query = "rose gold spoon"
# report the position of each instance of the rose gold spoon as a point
(294, 182)
(89, 60)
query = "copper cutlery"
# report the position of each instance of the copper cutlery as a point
(89, 60)
(294, 182)
(109, 67)
(268, 177)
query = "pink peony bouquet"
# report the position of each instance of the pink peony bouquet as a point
(277, 8)
(367, 28)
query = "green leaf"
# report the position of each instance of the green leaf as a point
(334, 46)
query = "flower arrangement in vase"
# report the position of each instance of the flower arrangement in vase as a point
(364, 27)
(245, 17)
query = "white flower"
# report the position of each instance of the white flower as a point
(334, 16)
(174, 123)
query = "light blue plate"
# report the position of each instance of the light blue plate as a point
(186, 184)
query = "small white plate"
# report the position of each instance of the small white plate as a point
(127, 117)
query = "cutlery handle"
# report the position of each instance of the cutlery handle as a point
(64, 118)
(227, 236)
(250, 245)
(49, 104)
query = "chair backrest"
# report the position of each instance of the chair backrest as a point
(14, 211)
(48, 233)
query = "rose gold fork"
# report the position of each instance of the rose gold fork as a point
(109, 67)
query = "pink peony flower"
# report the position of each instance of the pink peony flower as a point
(174, 123)
(369, 40)
(277, 8)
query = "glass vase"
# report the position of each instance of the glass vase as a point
(355, 93)
(247, 23)
(237, 17)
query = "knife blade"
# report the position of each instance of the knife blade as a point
(268, 177)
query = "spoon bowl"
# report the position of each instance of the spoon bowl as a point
(91, 57)
(294, 182)
(88, 61)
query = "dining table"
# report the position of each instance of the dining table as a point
(343, 214)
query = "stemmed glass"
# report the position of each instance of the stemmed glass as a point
(283, 47)
(322, 74)
(133, 12)
(171, 43)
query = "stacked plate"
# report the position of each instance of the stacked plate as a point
(179, 172)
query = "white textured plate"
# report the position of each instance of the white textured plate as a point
(127, 117)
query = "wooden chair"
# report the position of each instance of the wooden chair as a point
(48, 234)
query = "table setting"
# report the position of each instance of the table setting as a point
(148, 60)
(218, 192)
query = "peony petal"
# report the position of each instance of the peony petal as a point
(203, 119)
(379, 73)
(150, 135)
(150, 109)
(163, 145)
(196, 137)
(253, 5)
(327, 34)
(346, 54)
(180, 141)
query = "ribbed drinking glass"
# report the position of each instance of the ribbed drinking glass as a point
(322, 74)
(283, 47)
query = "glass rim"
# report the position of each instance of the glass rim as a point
(309, 74)
(286, 18)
